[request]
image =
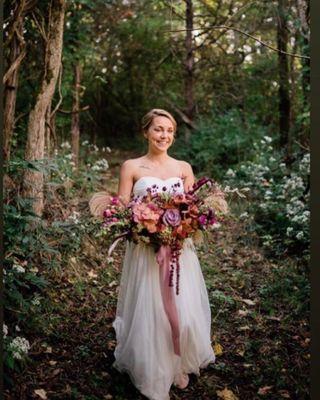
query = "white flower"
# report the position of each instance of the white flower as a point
(74, 217)
(108, 149)
(272, 159)
(101, 165)
(36, 301)
(268, 139)
(5, 330)
(289, 230)
(65, 145)
(230, 173)
(17, 355)
(243, 215)
(299, 235)
(19, 347)
(68, 156)
(17, 328)
(18, 268)
(85, 143)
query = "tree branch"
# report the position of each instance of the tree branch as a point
(73, 111)
(227, 28)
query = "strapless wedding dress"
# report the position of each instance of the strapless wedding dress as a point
(144, 347)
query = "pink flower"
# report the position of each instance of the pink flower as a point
(115, 201)
(147, 215)
(107, 213)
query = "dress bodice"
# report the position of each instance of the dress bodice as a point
(170, 185)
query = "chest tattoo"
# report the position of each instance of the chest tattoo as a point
(144, 166)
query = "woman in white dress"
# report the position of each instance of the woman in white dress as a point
(145, 347)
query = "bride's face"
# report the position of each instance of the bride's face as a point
(160, 133)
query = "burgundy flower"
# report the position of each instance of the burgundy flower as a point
(202, 219)
(171, 217)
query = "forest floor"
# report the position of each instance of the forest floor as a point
(260, 326)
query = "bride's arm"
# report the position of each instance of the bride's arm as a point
(126, 181)
(188, 176)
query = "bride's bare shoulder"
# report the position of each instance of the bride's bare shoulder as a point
(131, 163)
(184, 165)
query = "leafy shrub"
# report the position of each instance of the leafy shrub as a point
(221, 141)
(278, 198)
(34, 246)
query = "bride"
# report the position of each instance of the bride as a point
(145, 348)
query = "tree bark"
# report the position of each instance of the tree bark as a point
(284, 94)
(75, 119)
(189, 67)
(33, 180)
(17, 53)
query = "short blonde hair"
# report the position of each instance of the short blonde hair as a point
(156, 112)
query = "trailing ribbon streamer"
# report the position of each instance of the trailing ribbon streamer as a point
(168, 298)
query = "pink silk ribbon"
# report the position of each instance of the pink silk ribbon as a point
(167, 292)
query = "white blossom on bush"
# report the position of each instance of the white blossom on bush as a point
(65, 145)
(19, 347)
(74, 217)
(18, 268)
(100, 165)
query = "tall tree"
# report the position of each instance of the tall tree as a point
(33, 180)
(189, 66)
(283, 68)
(75, 119)
(15, 44)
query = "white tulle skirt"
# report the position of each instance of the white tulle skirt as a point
(144, 345)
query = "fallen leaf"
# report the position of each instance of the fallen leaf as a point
(248, 302)
(48, 350)
(272, 318)
(226, 394)
(217, 348)
(240, 352)
(41, 393)
(284, 393)
(51, 362)
(244, 328)
(92, 274)
(264, 390)
(56, 371)
(243, 313)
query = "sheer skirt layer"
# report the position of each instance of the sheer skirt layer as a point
(144, 346)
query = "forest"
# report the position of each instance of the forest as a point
(78, 77)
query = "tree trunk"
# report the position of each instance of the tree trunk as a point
(189, 67)
(284, 96)
(17, 54)
(75, 118)
(303, 8)
(33, 180)
(47, 145)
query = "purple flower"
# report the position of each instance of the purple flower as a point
(171, 217)
(202, 219)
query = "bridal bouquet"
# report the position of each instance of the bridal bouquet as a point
(164, 220)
